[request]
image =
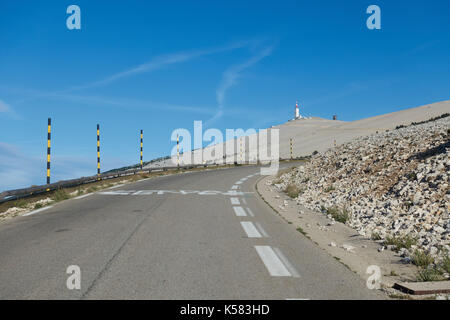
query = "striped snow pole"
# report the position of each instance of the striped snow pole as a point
(49, 133)
(98, 151)
(178, 151)
(291, 148)
(142, 141)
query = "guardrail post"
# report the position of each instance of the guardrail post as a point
(142, 140)
(290, 146)
(49, 130)
(98, 152)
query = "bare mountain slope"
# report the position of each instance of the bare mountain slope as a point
(319, 134)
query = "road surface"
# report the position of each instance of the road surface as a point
(198, 235)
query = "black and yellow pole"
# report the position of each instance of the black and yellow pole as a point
(178, 151)
(290, 146)
(142, 144)
(49, 133)
(98, 152)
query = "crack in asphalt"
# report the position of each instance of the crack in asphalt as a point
(119, 250)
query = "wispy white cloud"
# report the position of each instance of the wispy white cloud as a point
(101, 101)
(158, 63)
(4, 107)
(230, 78)
(107, 101)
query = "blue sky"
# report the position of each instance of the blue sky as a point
(160, 65)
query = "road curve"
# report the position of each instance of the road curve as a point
(198, 235)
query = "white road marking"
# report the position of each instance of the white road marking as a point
(36, 211)
(250, 212)
(261, 229)
(272, 262)
(117, 193)
(286, 262)
(182, 192)
(187, 191)
(250, 229)
(119, 185)
(239, 182)
(239, 211)
(244, 201)
(207, 193)
(234, 201)
(83, 196)
(234, 187)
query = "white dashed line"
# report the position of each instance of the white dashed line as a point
(83, 196)
(234, 201)
(286, 262)
(234, 187)
(244, 201)
(36, 211)
(239, 211)
(272, 262)
(250, 229)
(261, 229)
(239, 182)
(250, 212)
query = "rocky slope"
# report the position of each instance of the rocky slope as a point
(392, 185)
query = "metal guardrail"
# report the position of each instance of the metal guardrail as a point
(16, 194)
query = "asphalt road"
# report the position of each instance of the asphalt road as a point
(198, 235)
